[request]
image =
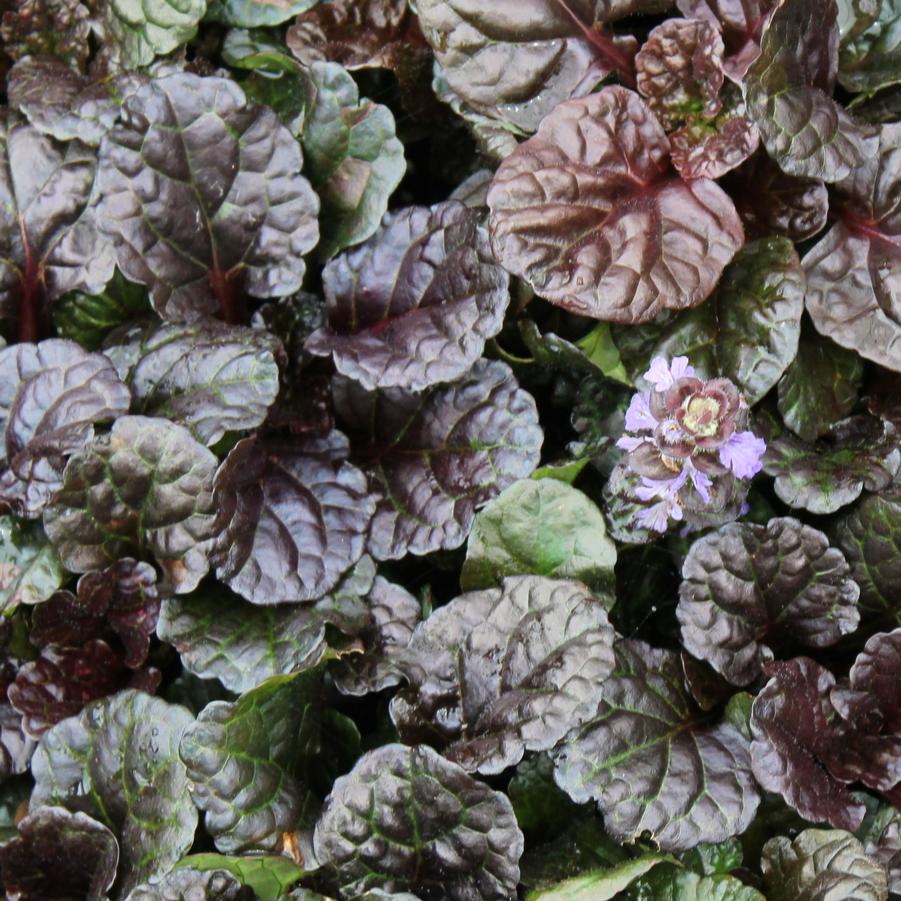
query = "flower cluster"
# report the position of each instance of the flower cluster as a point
(686, 440)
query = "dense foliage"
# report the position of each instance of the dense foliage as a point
(450, 450)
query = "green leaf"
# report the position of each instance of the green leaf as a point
(871, 60)
(137, 31)
(668, 884)
(819, 387)
(712, 860)
(821, 865)
(30, 570)
(257, 50)
(353, 158)
(242, 759)
(256, 13)
(544, 528)
(601, 885)
(88, 318)
(594, 351)
(748, 331)
(537, 802)
(117, 761)
(269, 876)
(146, 485)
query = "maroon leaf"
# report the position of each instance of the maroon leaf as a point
(590, 214)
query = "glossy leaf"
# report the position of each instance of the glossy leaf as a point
(47, 27)
(220, 636)
(546, 528)
(53, 393)
(291, 518)
(56, 848)
(747, 587)
(186, 884)
(49, 240)
(269, 877)
(445, 833)
(871, 59)
(30, 570)
(146, 485)
(819, 386)
(710, 149)
(870, 537)
(821, 864)
(671, 884)
(353, 158)
(873, 683)
(748, 331)
(241, 757)
(654, 762)
(625, 239)
(788, 92)
(436, 457)
(855, 454)
(601, 885)
(506, 670)
(101, 763)
(852, 274)
(256, 13)
(414, 305)
(245, 214)
(208, 376)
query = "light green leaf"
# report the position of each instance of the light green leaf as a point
(141, 30)
(269, 876)
(256, 13)
(30, 570)
(601, 885)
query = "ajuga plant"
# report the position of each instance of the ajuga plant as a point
(450, 450)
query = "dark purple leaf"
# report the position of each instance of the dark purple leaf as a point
(741, 23)
(186, 884)
(414, 305)
(57, 855)
(870, 537)
(245, 215)
(746, 588)
(436, 457)
(49, 240)
(506, 670)
(51, 394)
(773, 203)
(788, 92)
(47, 27)
(874, 683)
(406, 819)
(710, 149)
(16, 748)
(291, 518)
(590, 214)
(654, 761)
(147, 485)
(853, 273)
(857, 453)
(515, 61)
(64, 679)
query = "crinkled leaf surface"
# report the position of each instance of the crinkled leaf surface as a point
(291, 518)
(672, 884)
(748, 331)
(853, 273)
(796, 734)
(414, 305)
(544, 527)
(137, 31)
(873, 683)
(437, 456)
(654, 762)
(819, 386)
(52, 394)
(146, 485)
(30, 570)
(241, 760)
(788, 90)
(711, 148)
(819, 865)
(407, 819)
(202, 194)
(211, 377)
(353, 158)
(589, 213)
(256, 13)
(117, 761)
(870, 537)
(855, 454)
(49, 241)
(268, 876)
(56, 848)
(871, 59)
(187, 884)
(506, 670)
(52, 27)
(747, 587)
(516, 62)
(220, 636)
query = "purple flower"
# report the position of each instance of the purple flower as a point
(662, 375)
(742, 454)
(638, 416)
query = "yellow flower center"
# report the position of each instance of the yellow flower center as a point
(701, 415)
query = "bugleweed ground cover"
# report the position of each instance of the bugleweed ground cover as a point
(450, 450)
